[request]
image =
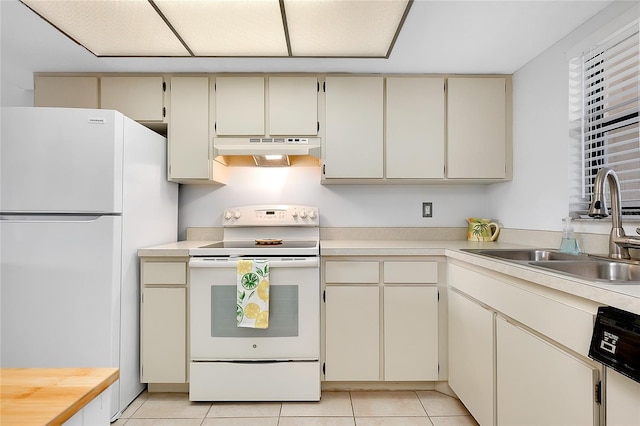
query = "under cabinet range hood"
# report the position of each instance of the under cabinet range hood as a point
(272, 151)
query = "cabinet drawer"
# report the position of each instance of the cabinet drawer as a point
(352, 272)
(164, 273)
(411, 272)
(570, 325)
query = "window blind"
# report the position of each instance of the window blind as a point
(604, 123)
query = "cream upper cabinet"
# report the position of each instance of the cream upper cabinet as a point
(471, 364)
(541, 383)
(353, 142)
(293, 106)
(139, 98)
(66, 92)
(415, 127)
(189, 128)
(239, 106)
(476, 128)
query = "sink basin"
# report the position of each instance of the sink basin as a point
(595, 269)
(526, 255)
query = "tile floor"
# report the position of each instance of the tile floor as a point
(370, 408)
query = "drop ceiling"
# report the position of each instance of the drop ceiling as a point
(228, 28)
(466, 37)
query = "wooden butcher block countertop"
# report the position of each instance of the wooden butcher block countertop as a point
(49, 396)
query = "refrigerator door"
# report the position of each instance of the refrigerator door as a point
(60, 292)
(61, 160)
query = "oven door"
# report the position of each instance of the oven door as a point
(294, 312)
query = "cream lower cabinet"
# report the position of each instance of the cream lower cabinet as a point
(540, 384)
(518, 352)
(381, 320)
(622, 399)
(163, 334)
(471, 367)
(352, 346)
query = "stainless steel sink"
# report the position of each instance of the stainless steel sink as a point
(527, 255)
(575, 265)
(614, 272)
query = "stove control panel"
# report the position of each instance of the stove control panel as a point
(271, 215)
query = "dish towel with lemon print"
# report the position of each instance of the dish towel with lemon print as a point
(252, 310)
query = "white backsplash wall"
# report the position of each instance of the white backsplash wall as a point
(340, 205)
(537, 198)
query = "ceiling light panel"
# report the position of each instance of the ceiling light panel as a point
(349, 28)
(228, 27)
(112, 28)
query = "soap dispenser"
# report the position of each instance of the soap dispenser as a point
(569, 243)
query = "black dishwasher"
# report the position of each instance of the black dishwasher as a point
(616, 341)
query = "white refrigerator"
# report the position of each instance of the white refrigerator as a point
(81, 191)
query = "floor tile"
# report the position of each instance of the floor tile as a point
(316, 421)
(386, 403)
(119, 422)
(171, 406)
(135, 404)
(439, 404)
(451, 421)
(244, 409)
(393, 421)
(164, 422)
(331, 404)
(240, 421)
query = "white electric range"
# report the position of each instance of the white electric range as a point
(281, 362)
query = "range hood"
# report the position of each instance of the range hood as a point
(273, 151)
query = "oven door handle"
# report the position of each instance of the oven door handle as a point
(289, 262)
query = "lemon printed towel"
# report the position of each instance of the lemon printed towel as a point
(252, 309)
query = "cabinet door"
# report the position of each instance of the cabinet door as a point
(471, 367)
(163, 335)
(239, 106)
(66, 92)
(476, 128)
(622, 400)
(139, 98)
(410, 333)
(353, 145)
(352, 349)
(415, 127)
(540, 384)
(189, 128)
(293, 106)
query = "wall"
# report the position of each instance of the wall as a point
(340, 205)
(537, 198)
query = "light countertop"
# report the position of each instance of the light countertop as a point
(623, 296)
(49, 396)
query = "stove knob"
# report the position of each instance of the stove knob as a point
(312, 214)
(303, 214)
(295, 213)
(227, 215)
(237, 214)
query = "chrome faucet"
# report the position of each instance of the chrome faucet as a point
(619, 243)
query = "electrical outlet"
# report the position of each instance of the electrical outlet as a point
(427, 209)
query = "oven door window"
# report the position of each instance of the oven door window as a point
(283, 313)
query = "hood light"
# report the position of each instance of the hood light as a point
(272, 160)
